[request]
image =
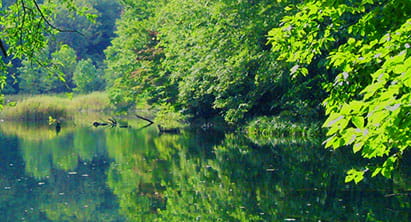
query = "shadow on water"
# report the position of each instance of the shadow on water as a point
(113, 174)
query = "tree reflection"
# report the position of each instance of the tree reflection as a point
(59, 178)
(137, 172)
(192, 176)
(292, 178)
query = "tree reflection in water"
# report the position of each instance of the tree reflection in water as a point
(195, 175)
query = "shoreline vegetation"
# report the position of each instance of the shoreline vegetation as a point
(276, 130)
(61, 106)
(83, 108)
(64, 107)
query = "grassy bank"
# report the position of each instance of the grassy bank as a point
(269, 129)
(40, 107)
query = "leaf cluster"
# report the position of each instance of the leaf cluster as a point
(363, 47)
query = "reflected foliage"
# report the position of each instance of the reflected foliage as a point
(234, 179)
(196, 175)
(58, 178)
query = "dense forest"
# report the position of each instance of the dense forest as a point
(344, 62)
(67, 51)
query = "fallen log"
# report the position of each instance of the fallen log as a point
(111, 122)
(168, 130)
(143, 118)
(97, 124)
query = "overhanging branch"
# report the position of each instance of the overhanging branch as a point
(49, 23)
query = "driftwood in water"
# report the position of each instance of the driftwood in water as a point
(56, 123)
(168, 130)
(111, 122)
(97, 124)
(148, 120)
(58, 127)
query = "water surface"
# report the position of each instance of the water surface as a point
(84, 173)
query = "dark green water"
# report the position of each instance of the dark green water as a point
(113, 174)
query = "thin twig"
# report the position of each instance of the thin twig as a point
(51, 25)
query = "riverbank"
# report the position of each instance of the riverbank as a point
(63, 107)
(79, 108)
(41, 107)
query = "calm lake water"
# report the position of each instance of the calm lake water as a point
(130, 174)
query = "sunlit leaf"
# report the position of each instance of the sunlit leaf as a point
(358, 121)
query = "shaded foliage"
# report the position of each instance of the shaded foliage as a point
(205, 58)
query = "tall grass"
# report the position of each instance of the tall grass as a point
(93, 102)
(40, 107)
(37, 108)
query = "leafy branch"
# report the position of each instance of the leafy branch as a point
(49, 23)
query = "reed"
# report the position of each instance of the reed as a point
(40, 107)
(93, 102)
(37, 108)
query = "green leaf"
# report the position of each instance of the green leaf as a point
(355, 175)
(349, 136)
(329, 141)
(398, 69)
(332, 119)
(357, 147)
(338, 142)
(351, 41)
(70, 95)
(358, 121)
(12, 104)
(376, 171)
(356, 106)
(388, 166)
(378, 117)
(287, 8)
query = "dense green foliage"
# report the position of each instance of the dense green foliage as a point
(86, 77)
(34, 33)
(363, 48)
(212, 58)
(205, 58)
(55, 77)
